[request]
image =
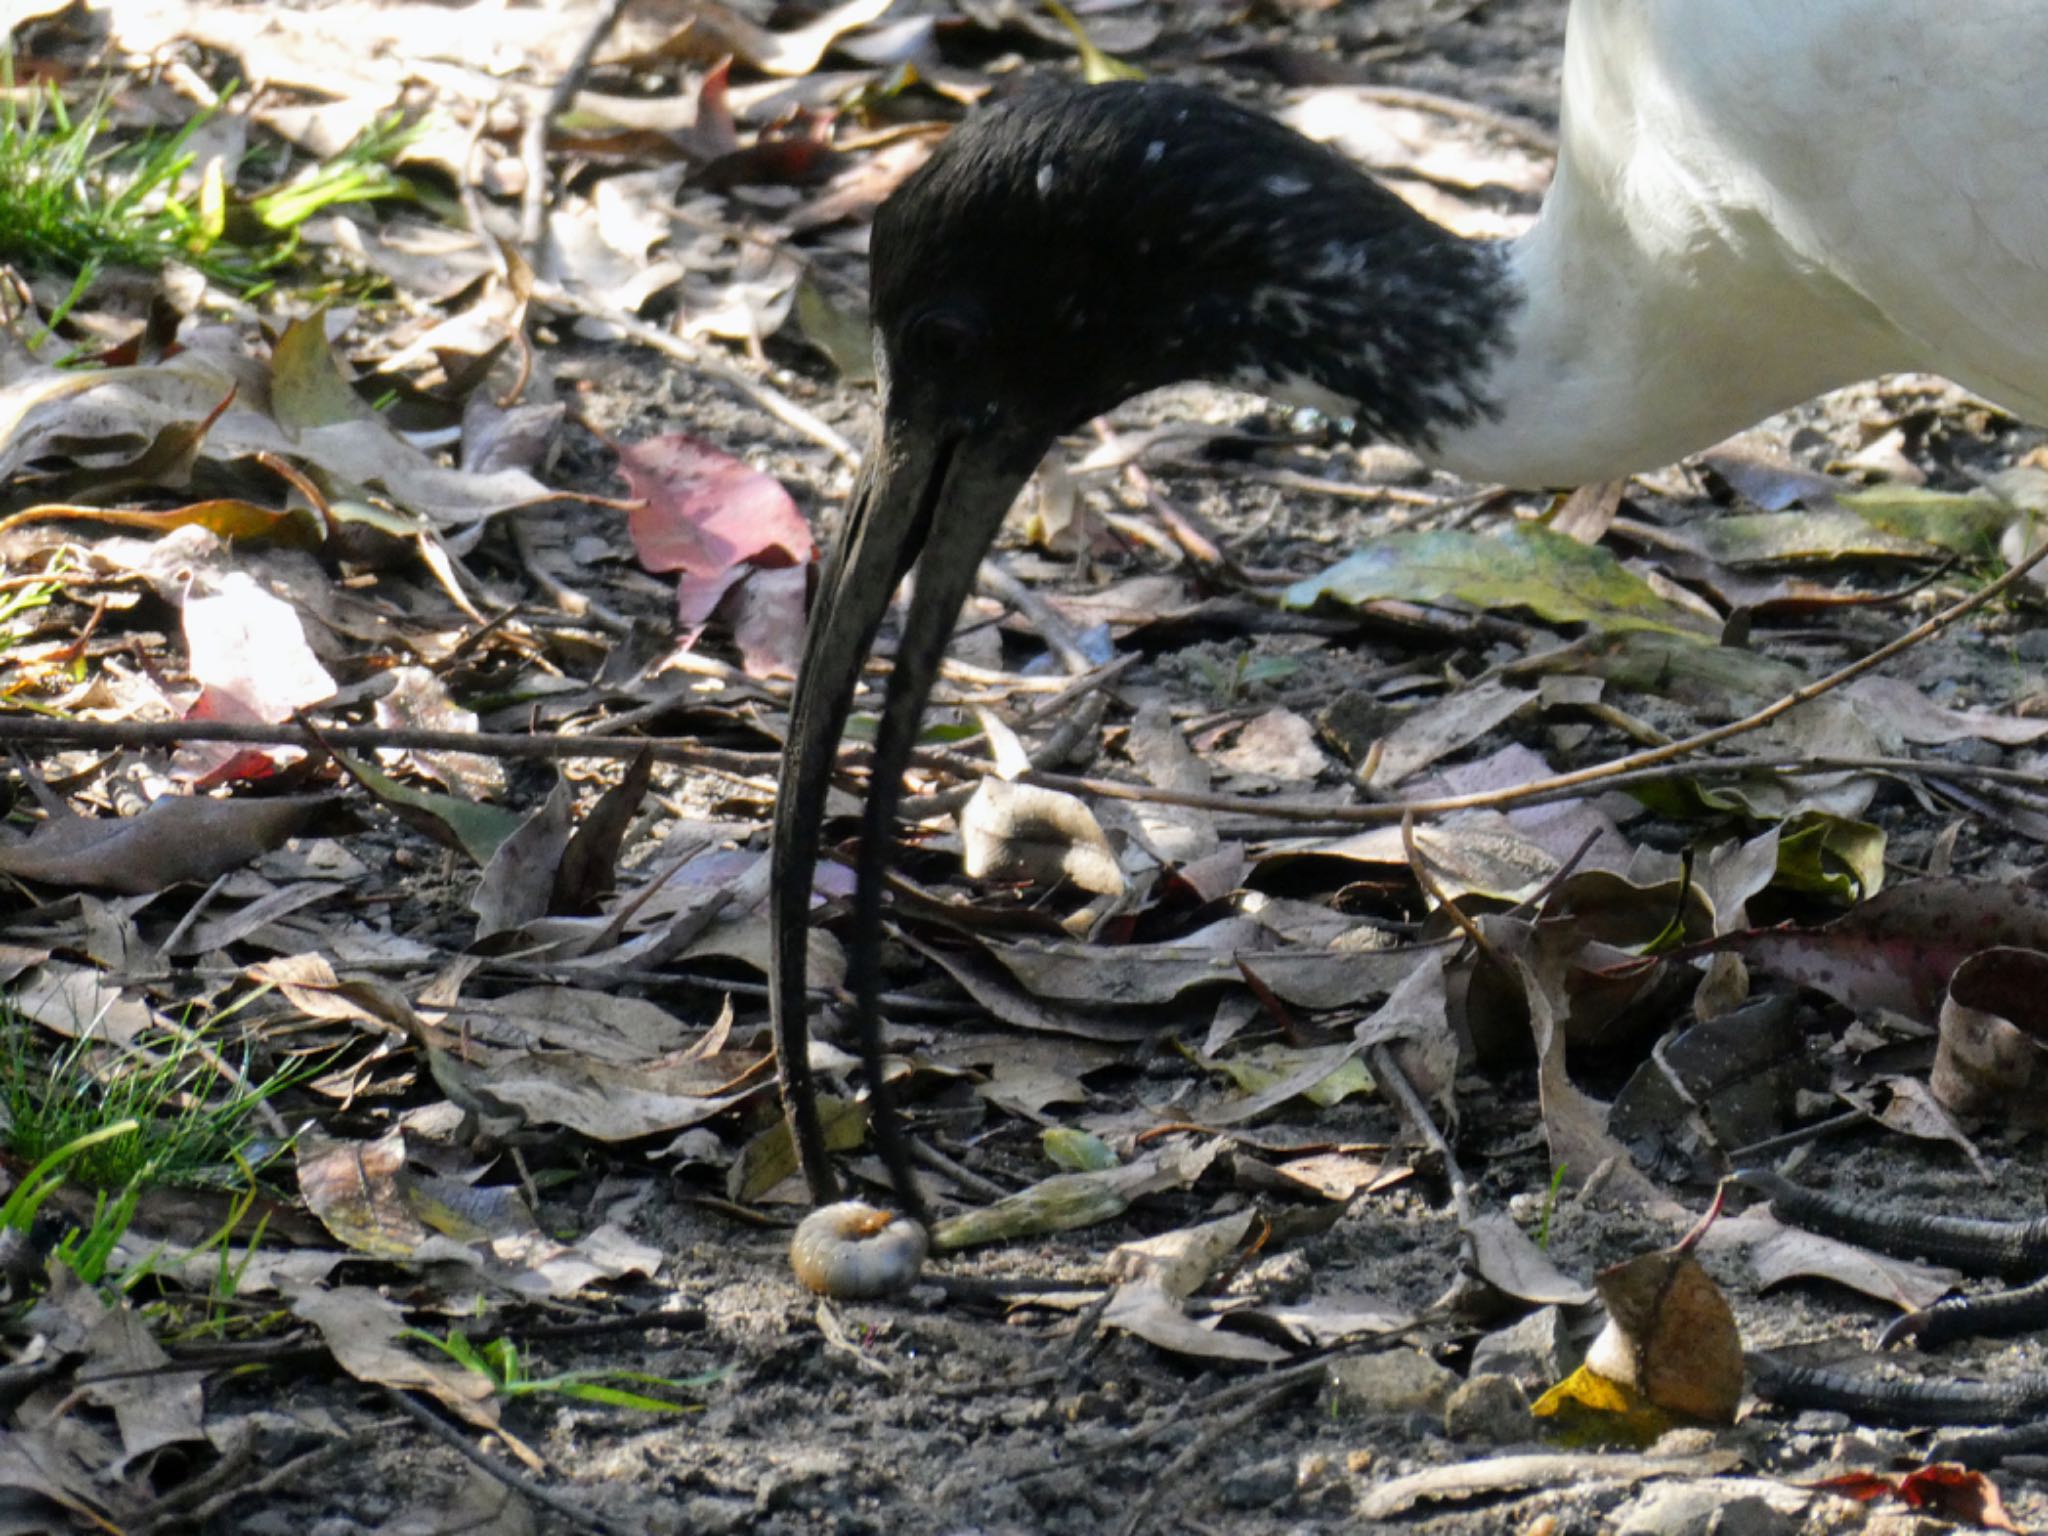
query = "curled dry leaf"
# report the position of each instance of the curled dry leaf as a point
(1020, 832)
(1951, 1491)
(1899, 949)
(1992, 1061)
(1670, 1338)
(1184, 1260)
(1491, 1476)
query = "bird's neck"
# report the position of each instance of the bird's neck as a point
(1645, 316)
(1373, 315)
(1635, 323)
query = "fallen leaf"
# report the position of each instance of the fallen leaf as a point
(1524, 567)
(1043, 836)
(1992, 1060)
(1670, 1337)
(709, 516)
(174, 839)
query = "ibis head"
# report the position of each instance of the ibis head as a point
(1058, 254)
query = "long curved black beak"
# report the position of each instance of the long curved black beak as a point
(924, 495)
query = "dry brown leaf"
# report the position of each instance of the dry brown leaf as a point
(154, 1406)
(1438, 729)
(714, 31)
(1778, 1253)
(1992, 1060)
(175, 839)
(1184, 1260)
(365, 1334)
(1509, 1260)
(1020, 832)
(1670, 1336)
(1147, 1310)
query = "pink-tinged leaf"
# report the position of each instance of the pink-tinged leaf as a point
(1899, 949)
(707, 515)
(248, 651)
(767, 616)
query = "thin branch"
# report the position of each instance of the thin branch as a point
(533, 142)
(565, 1502)
(1617, 773)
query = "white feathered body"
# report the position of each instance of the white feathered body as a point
(1759, 200)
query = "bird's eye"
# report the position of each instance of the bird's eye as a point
(942, 338)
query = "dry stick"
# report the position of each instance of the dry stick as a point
(1602, 773)
(1194, 1451)
(995, 579)
(571, 600)
(1637, 767)
(533, 143)
(561, 1502)
(965, 1178)
(165, 1515)
(16, 729)
(1387, 1068)
(1425, 877)
(704, 361)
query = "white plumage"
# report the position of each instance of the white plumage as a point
(1759, 200)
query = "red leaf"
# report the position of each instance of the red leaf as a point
(709, 516)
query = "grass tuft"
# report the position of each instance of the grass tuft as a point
(76, 197)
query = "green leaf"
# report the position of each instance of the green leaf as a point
(1076, 1151)
(1522, 567)
(1831, 856)
(1962, 525)
(1258, 1069)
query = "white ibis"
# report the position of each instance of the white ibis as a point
(1755, 201)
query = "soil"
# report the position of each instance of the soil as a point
(946, 1413)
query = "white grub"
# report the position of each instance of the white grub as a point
(853, 1251)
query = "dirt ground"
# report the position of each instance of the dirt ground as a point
(940, 1415)
(953, 1412)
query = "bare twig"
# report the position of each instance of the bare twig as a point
(1387, 1068)
(19, 729)
(168, 1515)
(1617, 773)
(566, 1504)
(1196, 1449)
(995, 579)
(533, 142)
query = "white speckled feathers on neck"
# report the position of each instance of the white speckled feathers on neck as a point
(1759, 200)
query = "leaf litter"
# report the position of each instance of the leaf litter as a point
(1155, 984)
